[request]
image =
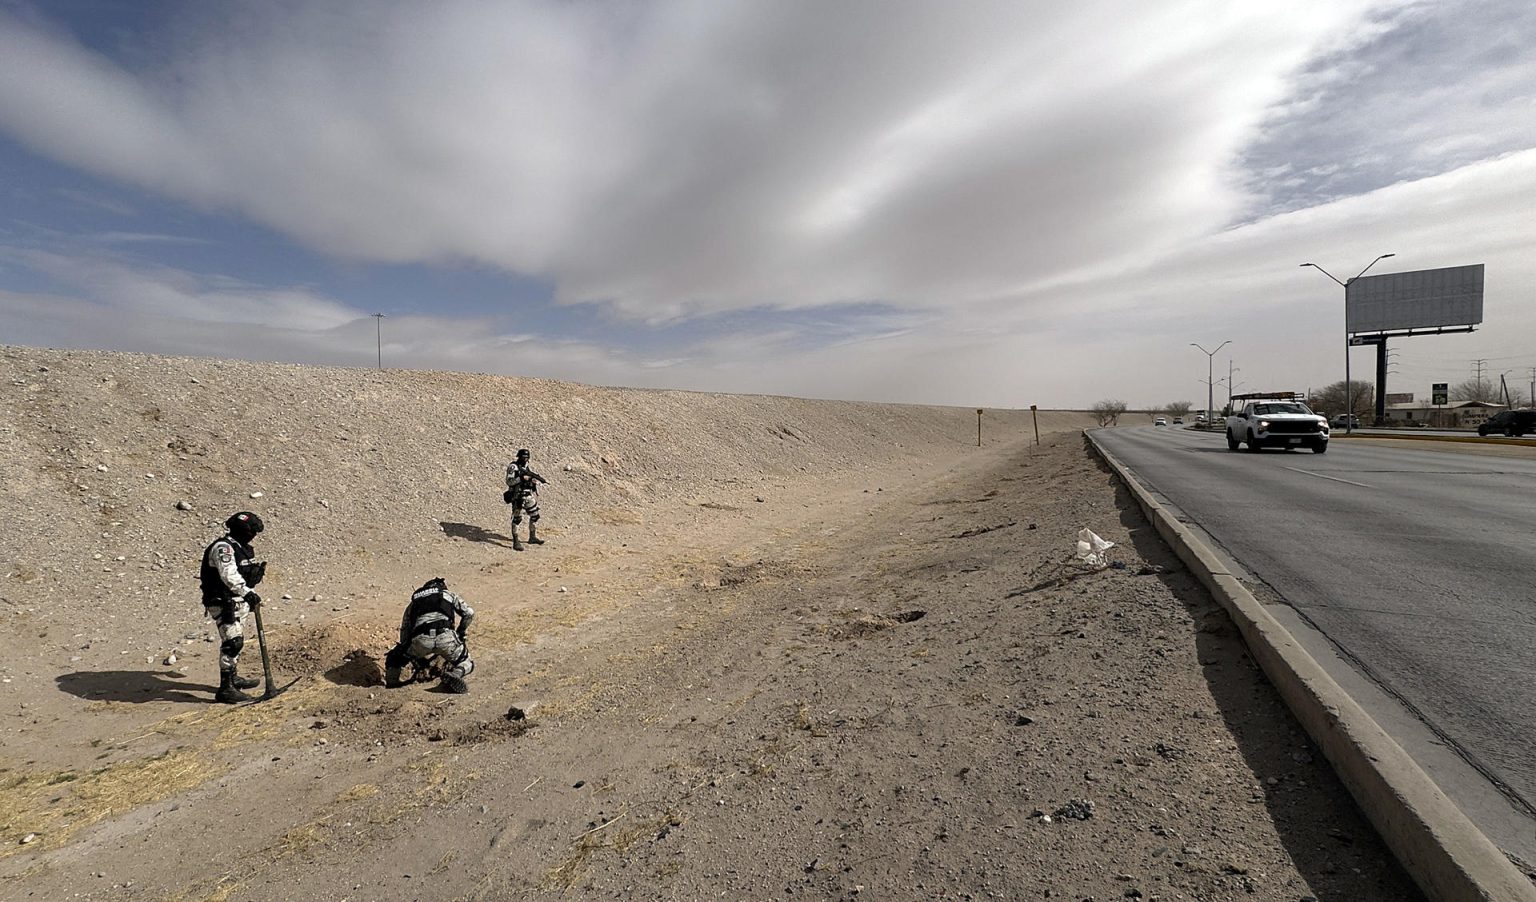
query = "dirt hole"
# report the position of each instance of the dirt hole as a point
(360, 668)
(909, 616)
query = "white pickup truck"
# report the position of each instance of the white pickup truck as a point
(1280, 420)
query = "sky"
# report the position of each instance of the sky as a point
(977, 203)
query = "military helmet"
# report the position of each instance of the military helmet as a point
(522, 454)
(244, 525)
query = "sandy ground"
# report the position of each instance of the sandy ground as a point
(887, 678)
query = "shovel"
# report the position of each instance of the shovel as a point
(266, 663)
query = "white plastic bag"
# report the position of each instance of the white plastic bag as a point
(1091, 549)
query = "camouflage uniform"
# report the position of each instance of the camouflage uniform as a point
(427, 633)
(229, 574)
(523, 494)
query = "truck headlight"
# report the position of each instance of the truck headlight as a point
(1264, 424)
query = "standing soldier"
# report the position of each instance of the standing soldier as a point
(427, 632)
(523, 494)
(230, 571)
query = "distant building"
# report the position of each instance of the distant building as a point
(1456, 414)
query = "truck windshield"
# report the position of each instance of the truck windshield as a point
(1280, 408)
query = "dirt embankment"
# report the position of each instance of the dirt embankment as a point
(367, 479)
(773, 648)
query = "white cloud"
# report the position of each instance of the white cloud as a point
(136, 289)
(1115, 334)
(694, 157)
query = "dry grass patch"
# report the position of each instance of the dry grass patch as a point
(58, 805)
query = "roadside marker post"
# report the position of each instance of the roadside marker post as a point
(1035, 416)
(978, 427)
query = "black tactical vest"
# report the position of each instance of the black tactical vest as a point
(426, 601)
(214, 590)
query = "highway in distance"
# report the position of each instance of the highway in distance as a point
(1420, 566)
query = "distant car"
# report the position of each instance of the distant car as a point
(1199, 418)
(1513, 423)
(1178, 421)
(1341, 421)
(1160, 421)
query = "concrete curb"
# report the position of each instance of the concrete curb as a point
(1443, 851)
(1469, 439)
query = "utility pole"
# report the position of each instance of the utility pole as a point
(1530, 399)
(378, 319)
(1477, 365)
(1230, 387)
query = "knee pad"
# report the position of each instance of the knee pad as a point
(230, 648)
(533, 517)
(516, 519)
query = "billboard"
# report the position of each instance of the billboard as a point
(1399, 397)
(1422, 299)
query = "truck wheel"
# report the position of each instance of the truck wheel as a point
(1320, 448)
(1253, 443)
(1509, 431)
(1232, 443)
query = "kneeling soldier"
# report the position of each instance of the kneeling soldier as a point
(427, 632)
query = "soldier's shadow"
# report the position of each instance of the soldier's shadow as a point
(475, 534)
(133, 686)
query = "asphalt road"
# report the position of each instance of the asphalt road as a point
(1419, 565)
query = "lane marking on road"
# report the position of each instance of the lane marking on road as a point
(1334, 478)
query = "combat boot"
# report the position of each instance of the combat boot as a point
(228, 694)
(517, 544)
(240, 682)
(454, 685)
(533, 536)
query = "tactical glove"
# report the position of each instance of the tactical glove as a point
(252, 572)
(252, 599)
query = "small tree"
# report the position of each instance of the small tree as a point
(1179, 408)
(1108, 411)
(1330, 399)
(1476, 390)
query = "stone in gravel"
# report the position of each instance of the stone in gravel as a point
(30, 837)
(1076, 809)
(257, 494)
(183, 506)
(1023, 720)
(169, 660)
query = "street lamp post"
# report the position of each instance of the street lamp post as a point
(1349, 386)
(1231, 371)
(1210, 381)
(378, 338)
